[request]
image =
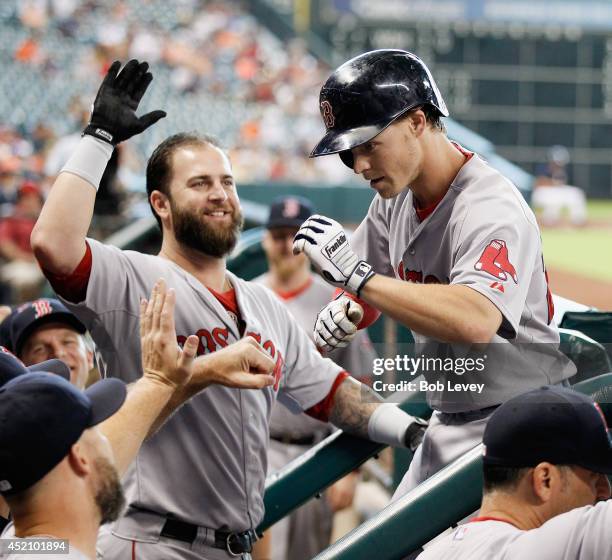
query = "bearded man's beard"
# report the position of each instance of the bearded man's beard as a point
(213, 240)
(109, 495)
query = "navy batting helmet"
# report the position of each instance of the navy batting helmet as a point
(366, 94)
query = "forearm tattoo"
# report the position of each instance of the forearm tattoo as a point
(354, 403)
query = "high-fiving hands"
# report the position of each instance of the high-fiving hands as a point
(243, 364)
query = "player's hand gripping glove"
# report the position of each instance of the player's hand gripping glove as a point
(113, 118)
(325, 243)
(336, 324)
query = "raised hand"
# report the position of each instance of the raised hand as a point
(162, 359)
(113, 118)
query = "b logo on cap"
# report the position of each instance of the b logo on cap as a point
(291, 208)
(41, 308)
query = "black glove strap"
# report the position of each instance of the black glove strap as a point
(99, 133)
(362, 273)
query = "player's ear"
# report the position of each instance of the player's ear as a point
(418, 122)
(160, 204)
(78, 459)
(544, 480)
(266, 240)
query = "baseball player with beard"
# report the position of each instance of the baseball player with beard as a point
(196, 488)
(449, 248)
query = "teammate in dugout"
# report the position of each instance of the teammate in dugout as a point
(43, 329)
(546, 458)
(51, 462)
(308, 530)
(196, 488)
(449, 248)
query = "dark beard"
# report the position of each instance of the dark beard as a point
(192, 232)
(109, 497)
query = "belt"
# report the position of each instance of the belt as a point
(235, 543)
(288, 439)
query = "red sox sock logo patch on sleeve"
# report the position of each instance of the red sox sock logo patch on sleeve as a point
(495, 261)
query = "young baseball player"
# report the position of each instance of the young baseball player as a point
(307, 531)
(546, 458)
(449, 248)
(196, 488)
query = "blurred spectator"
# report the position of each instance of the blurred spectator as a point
(552, 193)
(19, 268)
(216, 58)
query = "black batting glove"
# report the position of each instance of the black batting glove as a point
(415, 433)
(113, 118)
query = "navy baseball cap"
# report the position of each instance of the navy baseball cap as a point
(551, 424)
(41, 417)
(23, 320)
(289, 211)
(11, 367)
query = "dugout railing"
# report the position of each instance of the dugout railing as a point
(399, 528)
(308, 475)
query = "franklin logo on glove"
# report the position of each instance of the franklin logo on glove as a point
(326, 244)
(338, 242)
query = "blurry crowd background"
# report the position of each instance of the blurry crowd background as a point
(215, 68)
(218, 70)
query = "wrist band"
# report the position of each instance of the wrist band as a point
(358, 278)
(388, 424)
(89, 160)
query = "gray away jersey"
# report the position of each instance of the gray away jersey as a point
(580, 534)
(482, 235)
(207, 464)
(357, 358)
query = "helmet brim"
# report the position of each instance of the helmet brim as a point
(336, 141)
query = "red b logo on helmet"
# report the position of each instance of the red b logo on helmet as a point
(327, 114)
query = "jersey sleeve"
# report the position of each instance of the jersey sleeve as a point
(308, 377)
(109, 284)
(110, 308)
(497, 249)
(371, 239)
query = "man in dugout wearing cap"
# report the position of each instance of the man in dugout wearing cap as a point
(547, 455)
(59, 472)
(44, 329)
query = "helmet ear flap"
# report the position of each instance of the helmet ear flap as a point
(347, 158)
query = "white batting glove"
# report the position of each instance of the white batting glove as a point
(325, 243)
(336, 323)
